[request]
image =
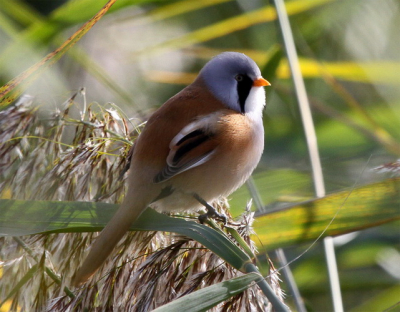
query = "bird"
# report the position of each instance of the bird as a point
(201, 144)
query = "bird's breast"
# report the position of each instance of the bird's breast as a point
(240, 143)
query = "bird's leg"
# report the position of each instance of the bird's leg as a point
(211, 212)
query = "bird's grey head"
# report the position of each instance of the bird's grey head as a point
(230, 77)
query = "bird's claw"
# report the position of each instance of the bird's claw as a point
(211, 212)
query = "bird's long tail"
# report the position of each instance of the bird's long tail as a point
(108, 238)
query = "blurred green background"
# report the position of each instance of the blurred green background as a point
(143, 52)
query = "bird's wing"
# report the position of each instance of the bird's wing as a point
(194, 145)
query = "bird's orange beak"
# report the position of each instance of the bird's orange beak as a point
(261, 82)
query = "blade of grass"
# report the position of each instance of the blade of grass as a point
(15, 87)
(206, 298)
(178, 8)
(29, 217)
(339, 70)
(304, 106)
(49, 271)
(20, 11)
(311, 139)
(230, 25)
(367, 206)
(31, 272)
(7, 25)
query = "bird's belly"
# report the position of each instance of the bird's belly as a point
(219, 177)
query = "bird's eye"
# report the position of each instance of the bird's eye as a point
(239, 78)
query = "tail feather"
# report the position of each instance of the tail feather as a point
(108, 238)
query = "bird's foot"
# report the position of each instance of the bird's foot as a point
(212, 213)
